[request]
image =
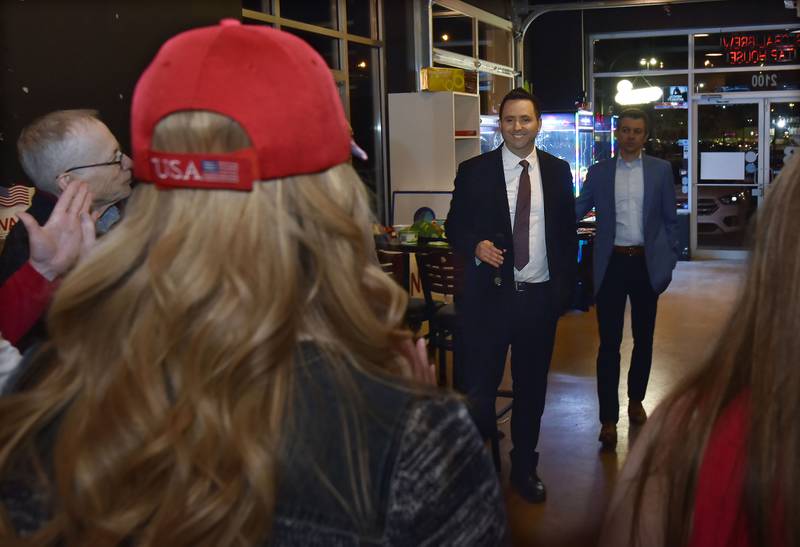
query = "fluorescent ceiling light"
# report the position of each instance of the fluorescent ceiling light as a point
(713, 54)
(626, 95)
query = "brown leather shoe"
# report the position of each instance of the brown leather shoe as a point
(636, 413)
(608, 436)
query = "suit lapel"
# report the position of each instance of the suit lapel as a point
(647, 199)
(548, 176)
(499, 194)
(612, 191)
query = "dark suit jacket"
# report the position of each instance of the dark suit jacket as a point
(16, 250)
(479, 210)
(659, 217)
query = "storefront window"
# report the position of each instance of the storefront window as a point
(784, 134)
(746, 48)
(364, 73)
(650, 53)
(728, 165)
(353, 53)
(322, 13)
(729, 169)
(494, 44)
(360, 14)
(452, 31)
(668, 113)
(491, 39)
(325, 45)
(757, 80)
(256, 22)
(263, 6)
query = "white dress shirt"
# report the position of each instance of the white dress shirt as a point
(536, 270)
(629, 201)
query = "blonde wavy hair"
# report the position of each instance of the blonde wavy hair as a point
(173, 345)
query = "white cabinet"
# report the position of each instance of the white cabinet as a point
(430, 133)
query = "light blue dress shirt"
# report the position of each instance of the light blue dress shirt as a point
(629, 201)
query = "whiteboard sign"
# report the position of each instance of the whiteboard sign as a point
(722, 166)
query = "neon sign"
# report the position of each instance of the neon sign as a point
(761, 48)
(626, 94)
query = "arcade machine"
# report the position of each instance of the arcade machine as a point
(569, 136)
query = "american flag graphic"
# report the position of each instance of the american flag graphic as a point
(16, 195)
(219, 171)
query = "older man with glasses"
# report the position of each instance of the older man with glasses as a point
(57, 150)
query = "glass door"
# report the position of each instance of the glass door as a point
(729, 180)
(784, 133)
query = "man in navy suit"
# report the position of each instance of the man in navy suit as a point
(512, 220)
(635, 251)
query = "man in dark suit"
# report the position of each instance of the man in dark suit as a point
(512, 220)
(635, 251)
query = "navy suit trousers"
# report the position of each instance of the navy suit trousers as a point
(626, 277)
(525, 321)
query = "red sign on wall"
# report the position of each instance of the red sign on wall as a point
(760, 48)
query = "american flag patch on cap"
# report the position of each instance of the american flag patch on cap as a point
(219, 171)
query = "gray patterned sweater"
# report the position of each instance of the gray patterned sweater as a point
(430, 480)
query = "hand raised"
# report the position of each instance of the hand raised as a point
(67, 234)
(416, 354)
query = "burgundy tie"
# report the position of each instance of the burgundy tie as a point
(522, 219)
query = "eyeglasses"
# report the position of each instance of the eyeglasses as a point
(118, 157)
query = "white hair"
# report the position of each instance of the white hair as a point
(46, 147)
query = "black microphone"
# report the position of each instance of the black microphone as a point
(498, 242)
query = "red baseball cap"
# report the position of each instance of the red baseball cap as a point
(272, 83)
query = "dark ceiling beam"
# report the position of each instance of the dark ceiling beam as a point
(533, 12)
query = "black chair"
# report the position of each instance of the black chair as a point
(395, 264)
(441, 274)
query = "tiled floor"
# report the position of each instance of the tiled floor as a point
(578, 476)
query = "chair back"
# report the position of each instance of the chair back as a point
(441, 274)
(393, 263)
